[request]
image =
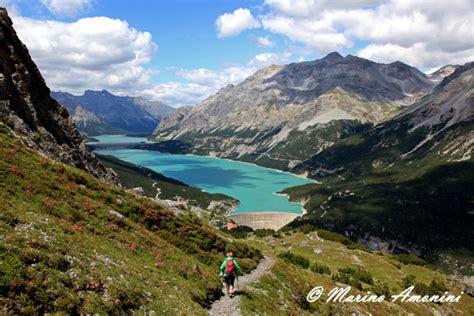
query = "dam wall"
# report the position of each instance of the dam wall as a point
(261, 220)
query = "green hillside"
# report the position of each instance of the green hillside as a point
(425, 201)
(73, 244)
(315, 259)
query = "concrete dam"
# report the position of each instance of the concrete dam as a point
(260, 220)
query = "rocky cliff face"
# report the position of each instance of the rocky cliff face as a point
(282, 115)
(26, 107)
(441, 73)
(451, 102)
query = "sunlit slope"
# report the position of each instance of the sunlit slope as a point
(71, 243)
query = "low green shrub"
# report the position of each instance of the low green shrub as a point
(320, 268)
(410, 259)
(328, 235)
(295, 259)
(380, 288)
(354, 277)
(264, 232)
(307, 228)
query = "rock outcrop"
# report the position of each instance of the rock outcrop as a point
(442, 72)
(37, 119)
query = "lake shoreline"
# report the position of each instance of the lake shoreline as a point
(271, 188)
(302, 176)
(303, 210)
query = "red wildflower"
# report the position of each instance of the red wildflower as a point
(13, 152)
(16, 171)
(112, 227)
(77, 228)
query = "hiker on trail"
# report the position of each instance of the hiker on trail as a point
(229, 268)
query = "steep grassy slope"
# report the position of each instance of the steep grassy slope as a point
(314, 261)
(71, 243)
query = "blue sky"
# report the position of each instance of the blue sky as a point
(182, 51)
(184, 31)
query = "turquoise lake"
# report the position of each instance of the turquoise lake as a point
(252, 185)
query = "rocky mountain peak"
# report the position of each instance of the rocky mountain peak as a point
(453, 72)
(28, 110)
(451, 102)
(102, 92)
(442, 72)
(333, 56)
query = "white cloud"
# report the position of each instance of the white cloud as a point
(220, 78)
(418, 54)
(319, 35)
(230, 24)
(178, 94)
(91, 53)
(217, 79)
(264, 42)
(266, 59)
(205, 82)
(67, 8)
(439, 32)
(103, 53)
(304, 8)
(202, 83)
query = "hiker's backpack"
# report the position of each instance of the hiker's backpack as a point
(230, 267)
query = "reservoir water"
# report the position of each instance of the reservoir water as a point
(253, 186)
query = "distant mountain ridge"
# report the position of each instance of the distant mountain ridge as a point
(112, 114)
(266, 118)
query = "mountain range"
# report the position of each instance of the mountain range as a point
(100, 112)
(283, 115)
